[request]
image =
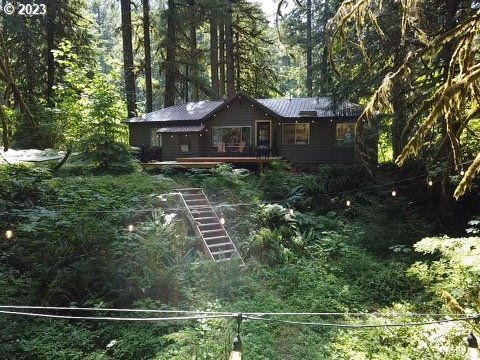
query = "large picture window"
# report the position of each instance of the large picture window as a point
(296, 134)
(231, 135)
(344, 131)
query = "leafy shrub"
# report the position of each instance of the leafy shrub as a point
(224, 183)
(277, 241)
(152, 261)
(337, 178)
(106, 154)
(454, 277)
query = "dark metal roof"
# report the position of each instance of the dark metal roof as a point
(188, 111)
(322, 106)
(181, 129)
(284, 108)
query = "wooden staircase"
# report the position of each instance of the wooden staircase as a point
(216, 243)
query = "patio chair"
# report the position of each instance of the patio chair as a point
(262, 149)
(241, 148)
(221, 149)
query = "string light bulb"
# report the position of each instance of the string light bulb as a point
(430, 183)
(9, 234)
(462, 172)
(130, 227)
(222, 220)
(473, 347)
(394, 193)
(236, 353)
(348, 203)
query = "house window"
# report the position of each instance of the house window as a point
(231, 135)
(155, 138)
(296, 134)
(344, 131)
(185, 144)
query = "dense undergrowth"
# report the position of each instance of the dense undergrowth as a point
(72, 247)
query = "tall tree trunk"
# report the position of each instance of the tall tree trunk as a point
(148, 56)
(170, 66)
(238, 62)
(194, 53)
(309, 50)
(186, 82)
(50, 32)
(221, 54)
(128, 58)
(446, 194)
(214, 56)
(399, 119)
(229, 50)
(5, 140)
(324, 85)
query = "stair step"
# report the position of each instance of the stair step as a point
(205, 218)
(223, 252)
(208, 225)
(198, 211)
(218, 245)
(211, 231)
(216, 237)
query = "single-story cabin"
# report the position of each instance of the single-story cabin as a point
(305, 131)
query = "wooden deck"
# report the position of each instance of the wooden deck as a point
(230, 160)
(186, 164)
(208, 162)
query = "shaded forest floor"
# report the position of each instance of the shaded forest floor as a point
(72, 247)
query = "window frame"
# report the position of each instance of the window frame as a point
(158, 143)
(185, 140)
(351, 124)
(230, 127)
(295, 135)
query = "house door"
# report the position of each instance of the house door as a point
(263, 133)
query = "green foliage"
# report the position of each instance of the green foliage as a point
(337, 178)
(445, 341)
(94, 110)
(206, 340)
(154, 261)
(62, 237)
(382, 227)
(454, 277)
(277, 241)
(226, 183)
(63, 253)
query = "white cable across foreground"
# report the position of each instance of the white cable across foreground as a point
(379, 314)
(103, 318)
(245, 316)
(209, 312)
(160, 311)
(362, 326)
